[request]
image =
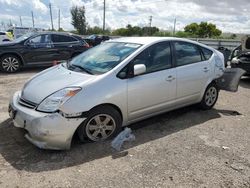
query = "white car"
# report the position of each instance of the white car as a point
(114, 84)
(4, 37)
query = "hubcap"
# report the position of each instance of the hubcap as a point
(100, 127)
(211, 96)
(10, 64)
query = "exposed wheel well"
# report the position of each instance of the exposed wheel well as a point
(15, 54)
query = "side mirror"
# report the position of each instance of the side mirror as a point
(139, 69)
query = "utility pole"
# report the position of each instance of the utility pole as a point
(174, 26)
(21, 23)
(59, 20)
(52, 27)
(150, 24)
(32, 15)
(104, 12)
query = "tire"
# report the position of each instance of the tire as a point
(103, 123)
(10, 63)
(210, 97)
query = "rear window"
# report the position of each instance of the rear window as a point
(63, 38)
(207, 53)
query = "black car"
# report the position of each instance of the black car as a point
(94, 40)
(40, 49)
(240, 57)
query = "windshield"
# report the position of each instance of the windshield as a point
(102, 58)
(23, 37)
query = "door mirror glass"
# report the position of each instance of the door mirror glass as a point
(139, 69)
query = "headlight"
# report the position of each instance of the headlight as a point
(54, 101)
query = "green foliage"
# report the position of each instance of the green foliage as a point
(233, 36)
(135, 31)
(94, 30)
(61, 29)
(203, 30)
(162, 34)
(78, 19)
(182, 34)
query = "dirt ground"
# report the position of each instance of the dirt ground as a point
(183, 148)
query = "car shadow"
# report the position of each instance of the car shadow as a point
(245, 82)
(22, 155)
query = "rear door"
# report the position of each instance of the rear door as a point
(66, 46)
(193, 72)
(155, 90)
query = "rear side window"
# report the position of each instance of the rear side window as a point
(63, 38)
(207, 53)
(186, 53)
(1, 33)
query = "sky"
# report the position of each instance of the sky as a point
(229, 15)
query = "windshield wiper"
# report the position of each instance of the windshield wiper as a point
(81, 68)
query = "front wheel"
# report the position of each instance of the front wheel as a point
(103, 122)
(10, 63)
(210, 97)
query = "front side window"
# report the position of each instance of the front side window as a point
(40, 41)
(102, 58)
(186, 53)
(155, 58)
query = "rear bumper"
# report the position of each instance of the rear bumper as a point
(229, 81)
(46, 131)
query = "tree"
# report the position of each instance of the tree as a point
(203, 30)
(233, 36)
(78, 19)
(192, 28)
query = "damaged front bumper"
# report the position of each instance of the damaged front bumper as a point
(46, 131)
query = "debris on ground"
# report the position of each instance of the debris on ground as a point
(225, 147)
(125, 135)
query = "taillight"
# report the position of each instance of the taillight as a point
(86, 45)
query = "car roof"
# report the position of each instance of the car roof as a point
(54, 32)
(151, 40)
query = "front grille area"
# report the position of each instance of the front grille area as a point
(27, 103)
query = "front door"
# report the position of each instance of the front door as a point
(155, 90)
(39, 50)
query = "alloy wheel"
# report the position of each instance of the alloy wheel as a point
(211, 96)
(100, 127)
(10, 64)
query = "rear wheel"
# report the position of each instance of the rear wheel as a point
(10, 63)
(103, 122)
(210, 97)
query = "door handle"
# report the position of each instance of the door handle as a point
(205, 69)
(170, 78)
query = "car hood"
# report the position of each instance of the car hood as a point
(51, 80)
(5, 44)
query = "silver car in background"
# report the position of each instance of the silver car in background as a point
(114, 84)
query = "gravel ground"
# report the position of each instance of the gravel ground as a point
(183, 148)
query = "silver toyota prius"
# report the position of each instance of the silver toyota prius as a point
(114, 84)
